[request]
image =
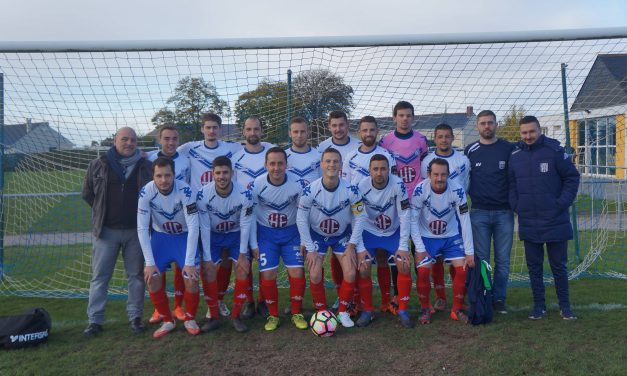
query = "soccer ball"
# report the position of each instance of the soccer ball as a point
(323, 323)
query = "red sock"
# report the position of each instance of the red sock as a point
(356, 297)
(160, 301)
(297, 290)
(191, 305)
(249, 287)
(437, 272)
(336, 273)
(224, 277)
(179, 287)
(261, 295)
(210, 293)
(318, 295)
(459, 287)
(365, 292)
(451, 271)
(423, 285)
(239, 296)
(404, 290)
(385, 283)
(271, 294)
(346, 295)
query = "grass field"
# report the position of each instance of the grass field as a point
(594, 344)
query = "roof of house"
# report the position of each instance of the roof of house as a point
(39, 138)
(427, 121)
(605, 85)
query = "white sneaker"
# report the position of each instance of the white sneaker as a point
(164, 329)
(192, 327)
(224, 310)
(208, 315)
(345, 319)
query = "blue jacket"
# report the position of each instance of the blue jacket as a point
(543, 183)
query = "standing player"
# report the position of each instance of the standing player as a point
(226, 210)
(441, 228)
(408, 147)
(460, 167)
(201, 155)
(490, 214)
(276, 195)
(302, 159)
(330, 214)
(169, 141)
(386, 230)
(167, 207)
(341, 141)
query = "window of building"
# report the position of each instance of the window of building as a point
(596, 145)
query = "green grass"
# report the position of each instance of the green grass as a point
(511, 345)
(43, 181)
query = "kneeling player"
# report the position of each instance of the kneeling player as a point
(329, 208)
(225, 210)
(439, 213)
(386, 229)
(170, 205)
(276, 195)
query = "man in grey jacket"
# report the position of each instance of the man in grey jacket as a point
(111, 187)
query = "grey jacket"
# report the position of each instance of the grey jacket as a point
(96, 183)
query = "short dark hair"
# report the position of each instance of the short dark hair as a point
(529, 119)
(222, 160)
(255, 118)
(338, 114)
(300, 120)
(368, 119)
(162, 162)
(486, 113)
(330, 150)
(276, 149)
(403, 105)
(211, 117)
(379, 157)
(443, 127)
(440, 162)
(167, 127)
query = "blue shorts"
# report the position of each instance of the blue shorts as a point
(220, 241)
(387, 243)
(168, 248)
(275, 243)
(450, 248)
(336, 243)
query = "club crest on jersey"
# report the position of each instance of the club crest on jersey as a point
(407, 173)
(501, 165)
(383, 221)
(206, 177)
(437, 227)
(329, 226)
(277, 220)
(172, 227)
(225, 226)
(544, 167)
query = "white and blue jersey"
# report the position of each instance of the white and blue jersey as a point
(325, 217)
(438, 218)
(162, 216)
(201, 159)
(248, 166)
(458, 166)
(181, 164)
(357, 164)
(388, 213)
(224, 221)
(304, 165)
(344, 149)
(276, 235)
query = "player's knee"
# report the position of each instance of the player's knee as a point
(349, 274)
(363, 273)
(296, 272)
(269, 275)
(191, 285)
(155, 285)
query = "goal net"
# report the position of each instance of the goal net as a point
(61, 108)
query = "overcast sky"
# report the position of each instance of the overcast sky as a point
(61, 20)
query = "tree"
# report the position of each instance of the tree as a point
(192, 97)
(509, 128)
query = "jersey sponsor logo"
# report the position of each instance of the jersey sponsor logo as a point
(172, 227)
(192, 208)
(437, 227)
(383, 221)
(206, 177)
(277, 220)
(329, 226)
(249, 210)
(405, 204)
(544, 167)
(225, 226)
(463, 209)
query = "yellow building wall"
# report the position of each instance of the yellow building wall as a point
(621, 137)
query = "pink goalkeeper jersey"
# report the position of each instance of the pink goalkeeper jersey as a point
(408, 153)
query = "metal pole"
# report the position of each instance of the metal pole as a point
(569, 151)
(289, 104)
(1, 176)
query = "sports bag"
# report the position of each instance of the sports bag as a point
(28, 329)
(479, 292)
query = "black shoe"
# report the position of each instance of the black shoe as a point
(248, 311)
(137, 326)
(262, 309)
(499, 306)
(92, 330)
(239, 326)
(210, 325)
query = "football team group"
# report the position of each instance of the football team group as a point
(210, 206)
